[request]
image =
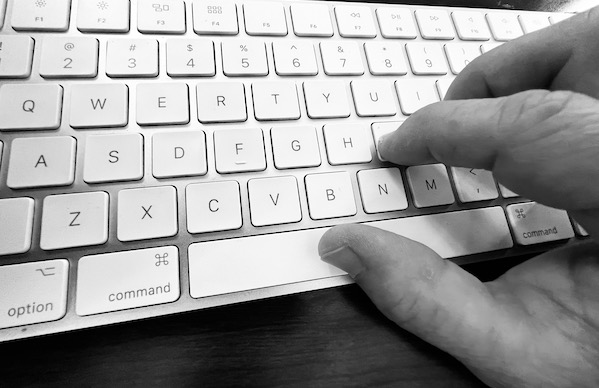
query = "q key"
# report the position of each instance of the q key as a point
(30, 107)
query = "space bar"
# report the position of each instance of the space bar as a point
(246, 263)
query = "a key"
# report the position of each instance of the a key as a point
(426, 58)
(471, 25)
(74, 57)
(103, 16)
(163, 17)
(244, 57)
(296, 58)
(190, 58)
(295, 147)
(430, 185)
(579, 229)
(558, 17)
(221, 102)
(373, 98)
(311, 20)
(326, 99)
(330, 195)
(213, 206)
(507, 193)
(460, 55)
(146, 213)
(2, 12)
(41, 162)
(341, 58)
(275, 100)
(16, 227)
(126, 280)
(219, 267)
(274, 201)
(74, 220)
(347, 143)
(16, 56)
(531, 22)
(355, 21)
(443, 85)
(434, 24)
(474, 184)
(264, 18)
(98, 105)
(396, 22)
(239, 150)
(113, 158)
(37, 15)
(33, 292)
(382, 190)
(214, 17)
(162, 104)
(415, 94)
(176, 154)
(385, 58)
(25, 107)
(485, 48)
(381, 129)
(534, 223)
(132, 58)
(504, 26)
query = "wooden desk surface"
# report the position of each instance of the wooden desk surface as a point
(332, 337)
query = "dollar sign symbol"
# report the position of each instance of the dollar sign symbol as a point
(189, 47)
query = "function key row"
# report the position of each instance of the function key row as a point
(270, 19)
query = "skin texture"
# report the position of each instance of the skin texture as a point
(529, 112)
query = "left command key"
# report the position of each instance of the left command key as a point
(33, 292)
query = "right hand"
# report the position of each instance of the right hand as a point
(529, 112)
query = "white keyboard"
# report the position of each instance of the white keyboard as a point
(166, 156)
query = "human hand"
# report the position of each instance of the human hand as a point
(529, 112)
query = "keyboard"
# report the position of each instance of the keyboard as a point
(165, 156)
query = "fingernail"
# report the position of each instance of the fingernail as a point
(345, 259)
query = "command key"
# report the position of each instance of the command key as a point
(534, 223)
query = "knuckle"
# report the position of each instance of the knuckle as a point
(527, 110)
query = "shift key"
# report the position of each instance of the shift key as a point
(33, 292)
(534, 223)
(126, 280)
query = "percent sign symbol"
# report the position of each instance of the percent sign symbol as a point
(243, 48)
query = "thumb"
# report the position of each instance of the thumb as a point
(424, 294)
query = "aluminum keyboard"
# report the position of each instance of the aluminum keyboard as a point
(166, 156)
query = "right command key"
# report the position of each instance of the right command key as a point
(534, 223)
